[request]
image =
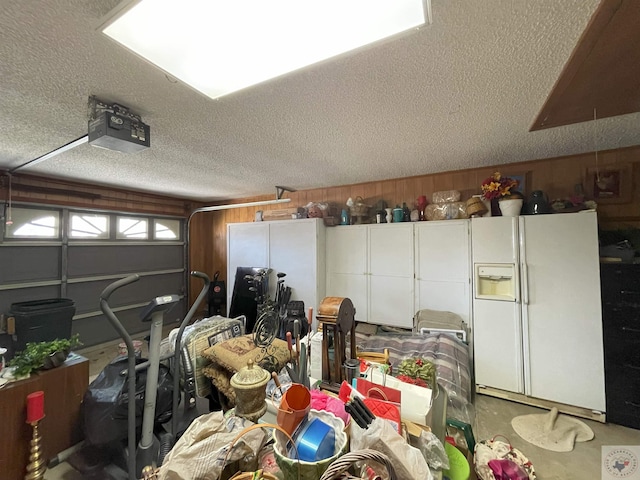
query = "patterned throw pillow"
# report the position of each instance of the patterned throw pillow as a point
(234, 353)
(231, 355)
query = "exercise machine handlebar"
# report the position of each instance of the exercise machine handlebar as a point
(131, 366)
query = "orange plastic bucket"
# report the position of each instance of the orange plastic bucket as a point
(294, 406)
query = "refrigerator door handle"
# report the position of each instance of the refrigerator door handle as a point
(517, 283)
(523, 262)
(525, 284)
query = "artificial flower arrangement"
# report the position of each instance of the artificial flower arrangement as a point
(417, 371)
(497, 186)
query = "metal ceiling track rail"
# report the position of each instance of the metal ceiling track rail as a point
(52, 153)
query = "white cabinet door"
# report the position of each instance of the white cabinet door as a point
(497, 345)
(346, 259)
(247, 246)
(443, 267)
(391, 279)
(293, 249)
(347, 249)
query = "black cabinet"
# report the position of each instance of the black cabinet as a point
(620, 286)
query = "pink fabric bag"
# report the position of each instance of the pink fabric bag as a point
(505, 469)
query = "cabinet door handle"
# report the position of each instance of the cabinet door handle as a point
(632, 404)
(629, 329)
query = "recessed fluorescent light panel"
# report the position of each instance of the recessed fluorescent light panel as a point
(221, 46)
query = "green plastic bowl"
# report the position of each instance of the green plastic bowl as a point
(459, 468)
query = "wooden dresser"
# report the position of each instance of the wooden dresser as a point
(63, 388)
(621, 328)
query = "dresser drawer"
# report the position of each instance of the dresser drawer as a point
(621, 353)
(615, 279)
(624, 411)
(616, 316)
(623, 417)
(623, 382)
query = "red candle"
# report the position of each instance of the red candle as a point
(35, 407)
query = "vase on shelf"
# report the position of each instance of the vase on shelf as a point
(510, 207)
(389, 216)
(421, 204)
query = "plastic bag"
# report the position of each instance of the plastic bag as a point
(105, 403)
(446, 211)
(381, 436)
(446, 196)
(200, 452)
(432, 450)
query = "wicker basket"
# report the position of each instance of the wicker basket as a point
(338, 468)
(359, 208)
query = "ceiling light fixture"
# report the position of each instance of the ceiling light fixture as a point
(221, 47)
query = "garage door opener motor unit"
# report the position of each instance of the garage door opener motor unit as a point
(115, 128)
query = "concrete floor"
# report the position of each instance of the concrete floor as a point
(493, 417)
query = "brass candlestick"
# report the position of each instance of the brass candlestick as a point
(37, 465)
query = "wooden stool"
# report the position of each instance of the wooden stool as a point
(337, 316)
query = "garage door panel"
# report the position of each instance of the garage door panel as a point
(87, 294)
(28, 263)
(105, 260)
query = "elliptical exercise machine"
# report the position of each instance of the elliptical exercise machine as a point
(150, 450)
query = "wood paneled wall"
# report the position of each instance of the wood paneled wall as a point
(208, 249)
(556, 176)
(33, 189)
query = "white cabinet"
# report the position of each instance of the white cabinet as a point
(247, 246)
(347, 266)
(443, 267)
(373, 266)
(295, 247)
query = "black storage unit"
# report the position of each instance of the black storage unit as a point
(620, 286)
(243, 299)
(42, 320)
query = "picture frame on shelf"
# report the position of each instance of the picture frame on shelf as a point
(523, 179)
(609, 184)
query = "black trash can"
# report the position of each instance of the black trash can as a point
(42, 320)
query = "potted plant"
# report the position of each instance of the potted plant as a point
(43, 355)
(497, 188)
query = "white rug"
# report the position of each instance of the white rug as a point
(551, 431)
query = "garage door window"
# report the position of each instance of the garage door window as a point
(86, 225)
(33, 223)
(133, 228)
(166, 229)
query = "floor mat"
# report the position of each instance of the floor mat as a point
(551, 431)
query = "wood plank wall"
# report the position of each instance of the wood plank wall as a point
(47, 191)
(556, 176)
(208, 251)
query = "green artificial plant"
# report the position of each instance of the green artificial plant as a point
(34, 355)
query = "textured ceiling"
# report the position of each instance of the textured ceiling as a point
(459, 93)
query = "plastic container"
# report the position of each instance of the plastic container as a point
(294, 407)
(316, 441)
(42, 320)
(459, 468)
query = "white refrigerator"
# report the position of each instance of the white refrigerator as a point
(537, 325)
